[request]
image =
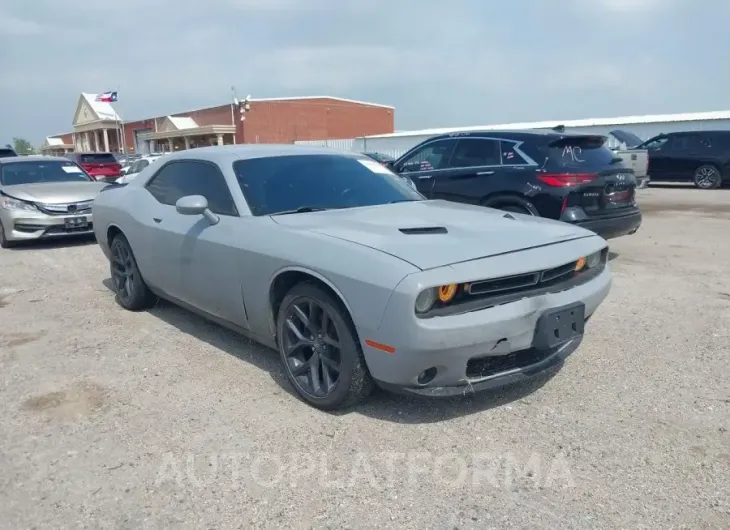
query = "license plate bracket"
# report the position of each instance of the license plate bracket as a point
(558, 326)
(76, 223)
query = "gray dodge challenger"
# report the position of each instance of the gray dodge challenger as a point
(352, 275)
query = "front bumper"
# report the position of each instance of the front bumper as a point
(452, 348)
(29, 226)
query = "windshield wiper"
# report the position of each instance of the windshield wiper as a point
(303, 209)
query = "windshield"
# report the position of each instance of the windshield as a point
(627, 138)
(280, 184)
(579, 152)
(41, 171)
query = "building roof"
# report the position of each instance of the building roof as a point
(54, 141)
(591, 122)
(103, 110)
(344, 100)
(183, 122)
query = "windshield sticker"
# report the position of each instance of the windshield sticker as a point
(508, 154)
(573, 152)
(71, 169)
(376, 167)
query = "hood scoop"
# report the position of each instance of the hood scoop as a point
(424, 230)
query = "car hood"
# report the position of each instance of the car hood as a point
(55, 192)
(429, 234)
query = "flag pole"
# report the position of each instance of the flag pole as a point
(233, 105)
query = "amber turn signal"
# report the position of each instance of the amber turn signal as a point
(580, 264)
(447, 292)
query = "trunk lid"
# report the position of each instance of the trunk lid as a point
(430, 234)
(100, 164)
(600, 181)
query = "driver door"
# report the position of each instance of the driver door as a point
(659, 157)
(203, 260)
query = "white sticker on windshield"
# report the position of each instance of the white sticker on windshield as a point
(71, 169)
(375, 167)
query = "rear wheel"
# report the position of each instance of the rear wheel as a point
(131, 290)
(320, 350)
(514, 208)
(707, 177)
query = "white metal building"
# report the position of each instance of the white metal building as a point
(645, 127)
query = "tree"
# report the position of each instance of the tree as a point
(22, 146)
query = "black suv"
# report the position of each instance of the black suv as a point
(6, 152)
(567, 177)
(702, 157)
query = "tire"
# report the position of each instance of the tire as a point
(707, 177)
(4, 243)
(133, 295)
(354, 382)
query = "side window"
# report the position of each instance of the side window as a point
(510, 156)
(189, 177)
(435, 155)
(657, 143)
(475, 152)
(685, 142)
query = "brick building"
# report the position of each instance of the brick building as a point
(97, 126)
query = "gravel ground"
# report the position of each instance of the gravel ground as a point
(110, 419)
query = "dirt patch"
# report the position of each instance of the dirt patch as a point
(79, 400)
(3, 301)
(18, 339)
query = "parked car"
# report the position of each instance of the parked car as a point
(101, 166)
(567, 177)
(701, 157)
(348, 272)
(7, 151)
(126, 159)
(380, 157)
(44, 197)
(130, 172)
(633, 157)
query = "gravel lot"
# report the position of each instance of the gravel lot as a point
(110, 419)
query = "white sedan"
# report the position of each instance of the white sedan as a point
(136, 167)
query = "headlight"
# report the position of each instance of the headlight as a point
(15, 204)
(589, 262)
(428, 298)
(425, 300)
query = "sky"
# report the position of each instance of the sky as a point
(440, 63)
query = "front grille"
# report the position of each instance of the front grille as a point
(480, 367)
(488, 293)
(61, 229)
(83, 207)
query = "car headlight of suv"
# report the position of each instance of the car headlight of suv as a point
(15, 204)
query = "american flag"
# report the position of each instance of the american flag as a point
(107, 97)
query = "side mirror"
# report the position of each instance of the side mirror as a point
(195, 205)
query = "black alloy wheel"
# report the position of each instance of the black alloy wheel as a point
(707, 177)
(321, 355)
(131, 290)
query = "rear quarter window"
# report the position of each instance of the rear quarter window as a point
(97, 158)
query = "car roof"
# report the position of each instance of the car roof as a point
(228, 153)
(516, 134)
(32, 158)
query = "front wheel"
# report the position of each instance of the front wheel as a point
(320, 350)
(4, 243)
(707, 177)
(131, 290)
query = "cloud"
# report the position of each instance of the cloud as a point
(457, 63)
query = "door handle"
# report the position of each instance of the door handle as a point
(157, 219)
(486, 173)
(424, 177)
